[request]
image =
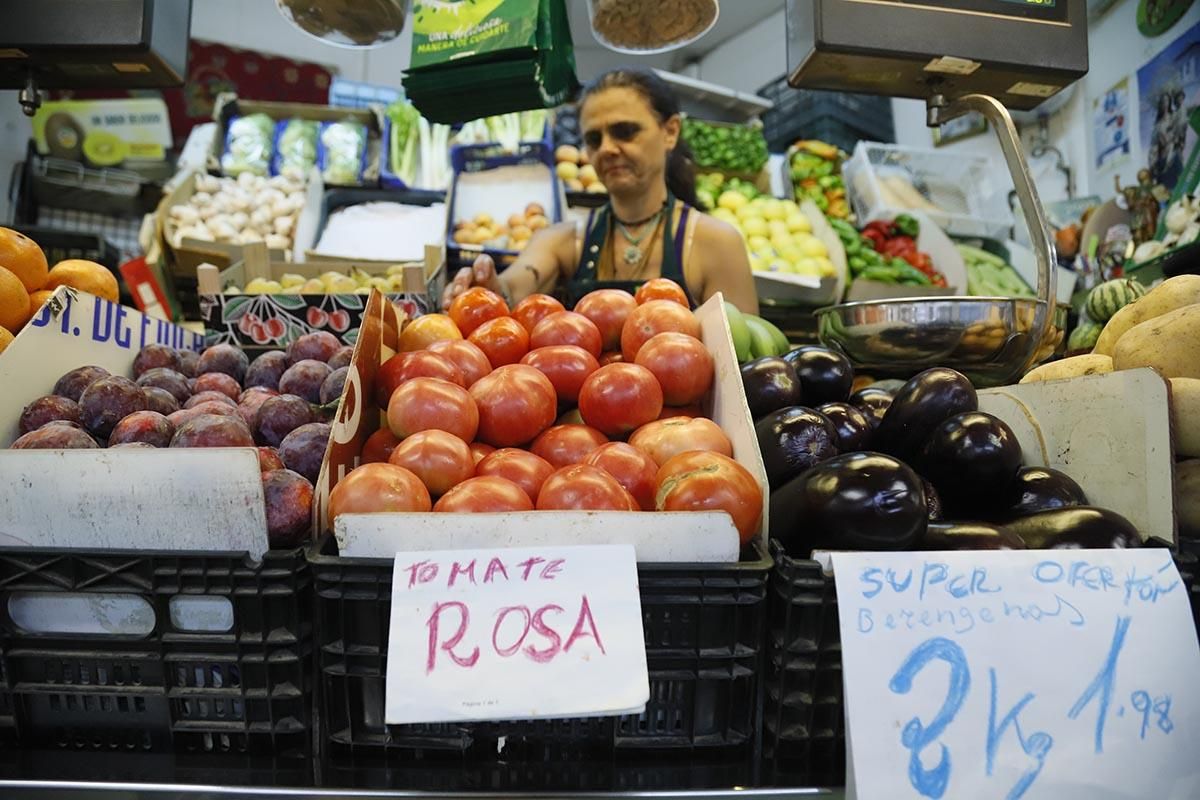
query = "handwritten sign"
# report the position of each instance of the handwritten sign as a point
(1039, 674)
(515, 633)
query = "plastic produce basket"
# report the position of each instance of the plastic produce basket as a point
(704, 628)
(804, 738)
(60, 245)
(968, 193)
(156, 652)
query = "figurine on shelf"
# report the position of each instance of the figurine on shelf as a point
(1142, 200)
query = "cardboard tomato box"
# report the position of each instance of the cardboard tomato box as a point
(691, 537)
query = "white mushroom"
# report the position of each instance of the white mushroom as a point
(184, 215)
(277, 242)
(208, 212)
(284, 225)
(248, 236)
(261, 216)
(207, 183)
(239, 219)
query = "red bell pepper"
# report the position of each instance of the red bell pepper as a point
(899, 247)
(876, 237)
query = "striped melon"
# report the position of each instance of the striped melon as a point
(1111, 296)
(1084, 336)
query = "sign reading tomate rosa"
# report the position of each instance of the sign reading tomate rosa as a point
(515, 633)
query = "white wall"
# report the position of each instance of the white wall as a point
(751, 59)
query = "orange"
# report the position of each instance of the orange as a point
(424, 331)
(14, 301)
(86, 276)
(38, 299)
(21, 256)
(5, 339)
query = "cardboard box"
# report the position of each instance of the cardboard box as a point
(228, 105)
(701, 534)
(257, 321)
(176, 499)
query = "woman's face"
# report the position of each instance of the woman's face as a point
(625, 141)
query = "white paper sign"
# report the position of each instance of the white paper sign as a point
(515, 633)
(1039, 674)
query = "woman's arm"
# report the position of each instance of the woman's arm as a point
(721, 264)
(537, 269)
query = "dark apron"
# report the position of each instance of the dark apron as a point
(599, 228)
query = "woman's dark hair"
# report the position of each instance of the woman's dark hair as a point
(680, 171)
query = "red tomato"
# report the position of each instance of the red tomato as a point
(620, 398)
(703, 481)
(502, 340)
(428, 403)
(479, 450)
(486, 494)
(467, 357)
(661, 289)
(654, 317)
(611, 357)
(519, 466)
(581, 487)
(692, 410)
(515, 403)
(374, 488)
(379, 446)
(406, 366)
(683, 367)
(567, 327)
(566, 365)
(535, 308)
(476, 306)
(632, 468)
(607, 309)
(441, 460)
(665, 438)
(564, 445)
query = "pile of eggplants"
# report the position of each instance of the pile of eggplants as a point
(921, 468)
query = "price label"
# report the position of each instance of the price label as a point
(515, 633)
(1039, 674)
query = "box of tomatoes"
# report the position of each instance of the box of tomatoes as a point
(543, 425)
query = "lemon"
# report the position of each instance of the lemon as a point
(259, 286)
(290, 279)
(755, 226)
(779, 265)
(725, 215)
(826, 268)
(791, 252)
(777, 227)
(757, 264)
(798, 223)
(790, 207)
(732, 200)
(313, 286)
(812, 247)
(748, 212)
(292, 289)
(808, 266)
(780, 242)
(343, 284)
(773, 209)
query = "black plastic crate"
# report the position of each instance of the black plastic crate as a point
(221, 661)
(704, 627)
(839, 118)
(59, 245)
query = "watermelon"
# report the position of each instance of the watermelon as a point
(1084, 336)
(1111, 296)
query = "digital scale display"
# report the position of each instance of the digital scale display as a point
(1040, 10)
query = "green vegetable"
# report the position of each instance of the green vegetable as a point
(988, 275)
(402, 144)
(344, 144)
(249, 145)
(907, 226)
(857, 264)
(297, 146)
(735, 148)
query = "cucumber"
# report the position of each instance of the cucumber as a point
(1108, 298)
(762, 343)
(740, 331)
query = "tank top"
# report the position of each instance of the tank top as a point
(599, 228)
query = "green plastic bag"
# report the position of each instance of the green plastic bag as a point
(448, 30)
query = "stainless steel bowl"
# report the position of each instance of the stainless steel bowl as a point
(985, 338)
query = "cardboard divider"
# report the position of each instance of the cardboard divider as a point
(358, 417)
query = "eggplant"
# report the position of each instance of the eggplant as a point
(969, 536)
(972, 460)
(873, 402)
(825, 375)
(922, 404)
(855, 501)
(933, 501)
(1075, 528)
(793, 439)
(1041, 489)
(770, 384)
(851, 423)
